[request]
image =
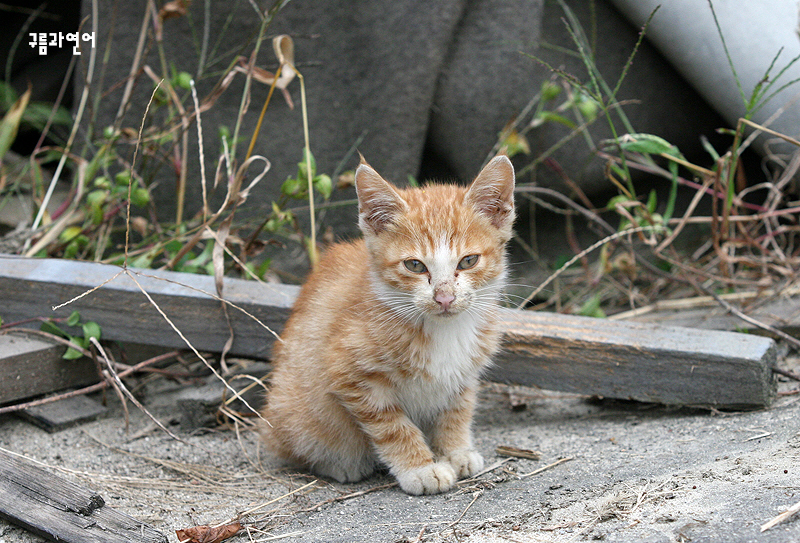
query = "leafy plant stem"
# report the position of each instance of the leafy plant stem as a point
(263, 112)
(247, 82)
(727, 53)
(312, 249)
(137, 58)
(131, 177)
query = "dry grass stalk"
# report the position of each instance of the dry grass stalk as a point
(547, 467)
(783, 517)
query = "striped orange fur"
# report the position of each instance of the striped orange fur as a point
(381, 357)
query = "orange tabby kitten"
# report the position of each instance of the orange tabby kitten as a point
(381, 357)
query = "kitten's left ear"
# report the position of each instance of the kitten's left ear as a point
(379, 203)
(492, 192)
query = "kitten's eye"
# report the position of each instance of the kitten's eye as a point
(415, 266)
(468, 262)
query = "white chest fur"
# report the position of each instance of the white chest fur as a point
(450, 366)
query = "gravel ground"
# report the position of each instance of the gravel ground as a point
(628, 472)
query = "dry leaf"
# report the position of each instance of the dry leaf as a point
(208, 534)
(515, 452)
(283, 46)
(346, 180)
(176, 8)
(140, 225)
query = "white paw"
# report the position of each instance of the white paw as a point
(429, 479)
(465, 462)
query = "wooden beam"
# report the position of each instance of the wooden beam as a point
(558, 352)
(637, 361)
(31, 366)
(32, 287)
(60, 510)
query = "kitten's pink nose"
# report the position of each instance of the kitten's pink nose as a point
(444, 299)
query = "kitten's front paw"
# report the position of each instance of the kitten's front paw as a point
(429, 479)
(465, 462)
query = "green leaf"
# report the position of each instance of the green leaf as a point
(91, 330)
(140, 197)
(323, 185)
(648, 144)
(652, 201)
(203, 258)
(515, 143)
(550, 91)
(72, 354)
(10, 123)
(619, 199)
(302, 167)
(173, 246)
(294, 187)
(549, 116)
(561, 260)
(183, 80)
(97, 197)
(7, 95)
(37, 114)
(122, 178)
(97, 213)
(588, 108)
(71, 250)
(709, 148)
(591, 308)
(73, 319)
(261, 271)
(617, 169)
(69, 233)
(52, 328)
(142, 261)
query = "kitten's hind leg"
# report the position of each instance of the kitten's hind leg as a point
(344, 470)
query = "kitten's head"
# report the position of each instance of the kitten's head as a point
(438, 250)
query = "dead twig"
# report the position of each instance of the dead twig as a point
(547, 467)
(347, 497)
(786, 373)
(475, 497)
(786, 515)
(420, 534)
(113, 373)
(755, 322)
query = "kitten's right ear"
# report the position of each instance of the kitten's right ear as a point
(378, 201)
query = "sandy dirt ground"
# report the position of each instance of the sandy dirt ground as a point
(618, 472)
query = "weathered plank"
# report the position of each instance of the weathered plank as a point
(551, 351)
(645, 362)
(31, 366)
(32, 287)
(60, 510)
